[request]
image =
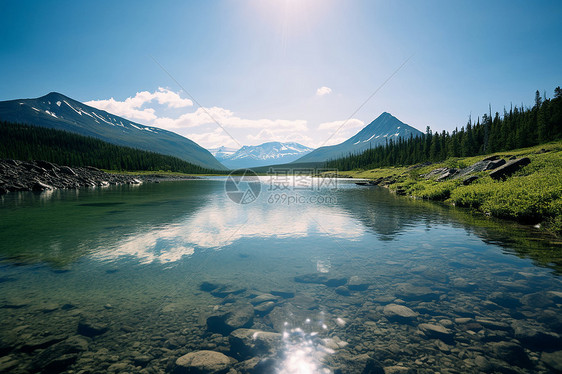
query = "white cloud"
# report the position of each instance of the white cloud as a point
(339, 131)
(281, 135)
(323, 91)
(200, 125)
(226, 118)
(334, 125)
(214, 139)
(132, 109)
(332, 141)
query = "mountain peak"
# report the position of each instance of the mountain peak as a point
(385, 127)
(55, 95)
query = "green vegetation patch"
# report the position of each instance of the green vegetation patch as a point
(531, 195)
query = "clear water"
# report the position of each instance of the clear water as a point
(133, 259)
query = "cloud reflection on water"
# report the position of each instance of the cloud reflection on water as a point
(221, 223)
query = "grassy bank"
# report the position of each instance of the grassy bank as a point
(532, 195)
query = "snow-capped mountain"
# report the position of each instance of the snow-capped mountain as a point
(61, 112)
(271, 153)
(222, 153)
(385, 127)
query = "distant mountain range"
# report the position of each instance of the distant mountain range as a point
(61, 112)
(271, 153)
(385, 127)
(222, 153)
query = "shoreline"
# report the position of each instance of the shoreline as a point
(21, 176)
(521, 185)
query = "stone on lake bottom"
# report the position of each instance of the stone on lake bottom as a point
(285, 294)
(247, 343)
(90, 328)
(59, 356)
(344, 291)
(357, 284)
(264, 308)
(199, 362)
(263, 298)
(399, 313)
(510, 352)
(313, 278)
(228, 319)
(435, 331)
(553, 360)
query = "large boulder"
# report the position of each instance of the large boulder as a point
(448, 174)
(59, 357)
(287, 316)
(468, 180)
(399, 313)
(436, 331)
(510, 352)
(248, 343)
(534, 336)
(263, 298)
(437, 173)
(495, 164)
(509, 168)
(221, 290)
(407, 291)
(90, 327)
(203, 362)
(357, 284)
(231, 317)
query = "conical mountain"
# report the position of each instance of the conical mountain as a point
(376, 133)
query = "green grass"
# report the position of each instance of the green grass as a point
(532, 195)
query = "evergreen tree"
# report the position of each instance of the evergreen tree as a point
(517, 128)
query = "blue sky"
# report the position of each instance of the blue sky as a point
(282, 69)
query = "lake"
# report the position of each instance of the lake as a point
(291, 277)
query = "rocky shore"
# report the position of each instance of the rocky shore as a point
(18, 175)
(498, 169)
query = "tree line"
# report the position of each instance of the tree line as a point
(27, 143)
(517, 128)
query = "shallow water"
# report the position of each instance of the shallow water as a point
(333, 264)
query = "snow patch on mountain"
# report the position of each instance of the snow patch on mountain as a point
(271, 153)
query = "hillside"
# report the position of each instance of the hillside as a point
(60, 112)
(27, 143)
(531, 194)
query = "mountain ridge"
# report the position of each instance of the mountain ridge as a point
(269, 153)
(58, 111)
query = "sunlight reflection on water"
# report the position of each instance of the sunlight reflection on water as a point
(303, 352)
